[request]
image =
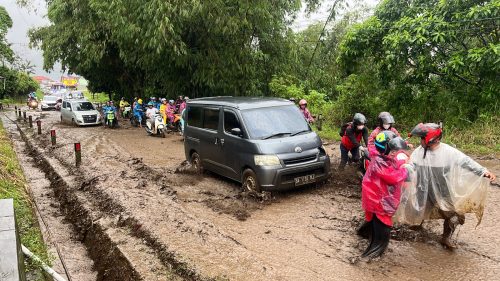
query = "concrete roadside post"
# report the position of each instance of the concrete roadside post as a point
(11, 255)
(78, 154)
(30, 118)
(39, 125)
(53, 137)
(24, 116)
(19, 112)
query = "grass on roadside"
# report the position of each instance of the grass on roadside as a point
(12, 185)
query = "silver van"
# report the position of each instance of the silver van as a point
(264, 143)
(79, 112)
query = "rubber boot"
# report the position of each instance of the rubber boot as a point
(449, 226)
(381, 234)
(365, 230)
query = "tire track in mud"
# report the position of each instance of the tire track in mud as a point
(107, 205)
(110, 261)
(289, 246)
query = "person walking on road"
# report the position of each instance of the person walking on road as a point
(448, 184)
(381, 191)
(351, 139)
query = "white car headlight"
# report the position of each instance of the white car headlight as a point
(267, 160)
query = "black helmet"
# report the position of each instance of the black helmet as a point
(398, 143)
(382, 141)
(359, 119)
(385, 118)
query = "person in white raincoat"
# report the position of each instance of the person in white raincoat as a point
(446, 184)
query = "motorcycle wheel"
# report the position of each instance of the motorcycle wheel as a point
(162, 133)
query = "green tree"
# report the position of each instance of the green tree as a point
(156, 47)
(6, 54)
(440, 58)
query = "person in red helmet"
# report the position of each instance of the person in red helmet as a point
(305, 111)
(448, 184)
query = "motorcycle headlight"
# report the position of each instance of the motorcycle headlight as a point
(266, 160)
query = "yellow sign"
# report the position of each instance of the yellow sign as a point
(69, 81)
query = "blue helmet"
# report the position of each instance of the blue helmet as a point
(150, 103)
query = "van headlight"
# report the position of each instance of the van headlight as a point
(267, 160)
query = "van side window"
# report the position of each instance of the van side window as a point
(230, 121)
(211, 118)
(194, 116)
(64, 104)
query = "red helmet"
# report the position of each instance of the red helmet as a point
(302, 102)
(430, 132)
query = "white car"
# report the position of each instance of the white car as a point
(48, 102)
(80, 112)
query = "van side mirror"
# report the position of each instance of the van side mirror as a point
(236, 132)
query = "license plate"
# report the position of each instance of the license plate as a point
(304, 180)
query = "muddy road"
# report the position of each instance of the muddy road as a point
(167, 226)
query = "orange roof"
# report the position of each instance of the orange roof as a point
(41, 78)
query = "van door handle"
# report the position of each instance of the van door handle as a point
(222, 142)
(216, 140)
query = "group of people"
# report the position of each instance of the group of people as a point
(167, 109)
(436, 181)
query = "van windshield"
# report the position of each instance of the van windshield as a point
(84, 106)
(271, 122)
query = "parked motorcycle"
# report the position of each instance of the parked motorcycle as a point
(158, 128)
(111, 121)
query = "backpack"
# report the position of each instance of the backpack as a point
(343, 128)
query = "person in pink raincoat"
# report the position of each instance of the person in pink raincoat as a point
(381, 191)
(170, 111)
(305, 111)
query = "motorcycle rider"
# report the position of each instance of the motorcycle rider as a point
(445, 179)
(183, 116)
(123, 104)
(138, 111)
(170, 111)
(182, 106)
(385, 122)
(305, 111)
(163, 110)
(178, 102)
(107, 108)
(381, 191)
(150, 114)
(351, 139)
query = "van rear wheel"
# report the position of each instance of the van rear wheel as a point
(196, 162)
(250, 182)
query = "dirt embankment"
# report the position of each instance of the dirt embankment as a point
(203, 227)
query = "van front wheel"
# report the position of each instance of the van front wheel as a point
(250, 182)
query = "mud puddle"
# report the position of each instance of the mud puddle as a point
(307, 234)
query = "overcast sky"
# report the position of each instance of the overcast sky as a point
(23, 19)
